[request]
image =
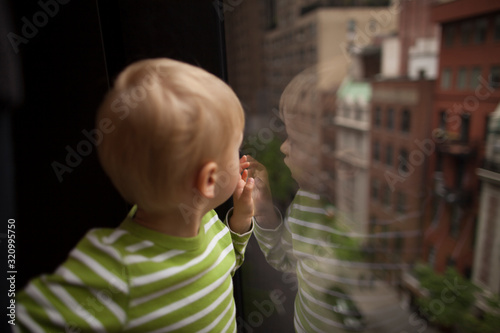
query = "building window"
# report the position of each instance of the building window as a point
(351, 25)
(437, 208)
(390, 118)
(431, 259)
(375, 189)
(497, 28)
(358, 112)
(486, 126)
(347, 110)
(450, 262)
(378, 117)
(399, 243)
(462, 78)
(388, 155)
(481, 30)
(446, 78)
(373, 223)
(448, 34)
(456, 216)
(421, 74)
(376, 151)
(464, 127)
(475, 74)
(403, 162)
(405, 121)
(401, 203)
(494, 77)
(386, 196)
(442, 120)
(439, 161)
(466, 32)
(460, 169)
(384, 241)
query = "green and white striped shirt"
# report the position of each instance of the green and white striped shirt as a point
(133, 279)
(332, 267)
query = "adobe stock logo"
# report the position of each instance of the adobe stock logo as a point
(40, 19)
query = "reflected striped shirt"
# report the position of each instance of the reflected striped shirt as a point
(338, 287)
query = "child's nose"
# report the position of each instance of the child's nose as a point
(285, 147)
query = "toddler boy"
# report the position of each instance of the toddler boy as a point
(172, 150)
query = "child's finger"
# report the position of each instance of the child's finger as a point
(244, 164)
(246, 194)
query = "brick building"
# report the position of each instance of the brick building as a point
(401, 134)
(465, 96)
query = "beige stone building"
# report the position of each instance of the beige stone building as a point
(317, 41)
(486, 271)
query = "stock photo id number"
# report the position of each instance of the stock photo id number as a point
(11, 271)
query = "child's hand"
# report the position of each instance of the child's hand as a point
(264, 209)
(241, 220)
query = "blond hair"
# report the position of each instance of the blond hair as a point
(168, 119)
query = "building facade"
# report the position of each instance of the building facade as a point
(400, 149)
(465, 95)
(353, 123)
(486, 272)
(401, 110)
(317, 39)
(245, 27)
(352, 129)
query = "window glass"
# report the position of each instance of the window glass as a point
(390, 118)
(403, 161)
(442, 120)
(362, 156)
(401, 202)
(481, 30)
(497, 28)
(386, 199)
(376, 151)
(405, 120)
(474, 77)
(446, 78)
(377, 119)
(358, 112)
(494, 77)
(456, 214)
(449, 34)
(466, 29)
(389, 155)
(375, 189)
(462, 78)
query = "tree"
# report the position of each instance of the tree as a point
(450, 297)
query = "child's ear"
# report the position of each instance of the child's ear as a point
(206, 180)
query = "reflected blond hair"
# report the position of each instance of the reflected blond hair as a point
(167, 119)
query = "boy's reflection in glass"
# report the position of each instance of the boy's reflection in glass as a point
(341, 285)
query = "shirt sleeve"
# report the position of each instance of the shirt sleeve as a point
(240, 241)
(276, 244)
(88, 293)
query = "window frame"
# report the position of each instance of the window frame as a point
(462, 78)
(389, 155)
(389, 122)
(406, 120)
(481, 30)
(446, 78)
(449, 34)
(466, 30)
